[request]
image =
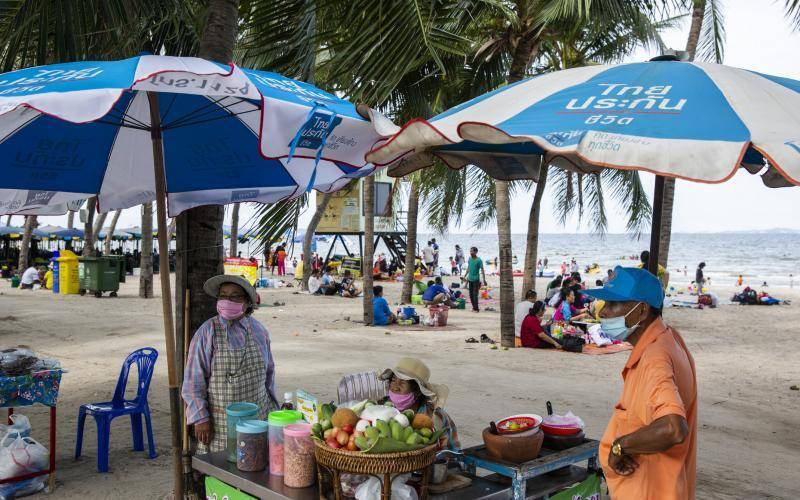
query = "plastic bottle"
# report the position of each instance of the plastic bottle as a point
(288, 401)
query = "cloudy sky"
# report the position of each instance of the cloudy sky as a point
(758, 38)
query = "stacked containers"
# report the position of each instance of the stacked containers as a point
(251, 445)
(298, 456)
(277, 421)
(236, 413)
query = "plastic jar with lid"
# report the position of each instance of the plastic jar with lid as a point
(236, 413)
(251, 445)
(277, 421)
(298, 456)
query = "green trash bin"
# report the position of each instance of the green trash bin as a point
(120, 263)
(98, 275)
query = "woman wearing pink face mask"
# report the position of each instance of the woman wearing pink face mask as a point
(410, 388)
(230, 361)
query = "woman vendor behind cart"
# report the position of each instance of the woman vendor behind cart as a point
(230, 361)
(410, 388)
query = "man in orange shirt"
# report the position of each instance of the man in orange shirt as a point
(649, 448)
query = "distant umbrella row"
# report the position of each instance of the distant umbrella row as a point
(57, 233)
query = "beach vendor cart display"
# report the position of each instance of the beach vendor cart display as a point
(26, 379)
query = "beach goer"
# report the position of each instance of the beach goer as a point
(565, 310)
(648, 450)
(699, 278)
(609, 276)
(739, 280)
(48, 278)
(435, 247)
(573, 267)
(553, 288)
(410, 389)
(281, 256)
(436, 294)
(663, 274)
(327, 284)
(475, 277)
(348, 287)
(314, 282)
(532, 333)
(427, 258)
(453, 267)
(229, 361)
(29, 278)
(460, 259)
(563, 268)
(381, 314)
(545, 262)
(522, 310)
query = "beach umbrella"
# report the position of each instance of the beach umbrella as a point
(689, 120)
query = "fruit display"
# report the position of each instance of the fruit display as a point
(371, 428)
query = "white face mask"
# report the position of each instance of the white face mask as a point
(616, 328)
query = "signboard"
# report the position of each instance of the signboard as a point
(245, 268)
(353, 264)
(217, 490)
(343, 213)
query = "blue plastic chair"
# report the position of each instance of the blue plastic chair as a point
(104, 413)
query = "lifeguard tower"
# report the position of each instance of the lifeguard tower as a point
(344, 216)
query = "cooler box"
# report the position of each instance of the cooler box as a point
(68, 280)
(440, 312)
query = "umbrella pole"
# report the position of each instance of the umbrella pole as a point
(166, 294)
(655, 228)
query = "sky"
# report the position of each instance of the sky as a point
(758, 37)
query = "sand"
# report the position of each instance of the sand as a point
(746, 361)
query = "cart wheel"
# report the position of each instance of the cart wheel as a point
(82, 292)
(113, 294)
(98, 294)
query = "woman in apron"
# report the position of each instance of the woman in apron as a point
(230, 361)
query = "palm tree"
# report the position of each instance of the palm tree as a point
(110, 232)
(411, 239)
(369, 246)
(25, 245)
(308, 238)
(146, 257)
(88, 227)
(234, 245)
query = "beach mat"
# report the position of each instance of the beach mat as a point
(423, 328)
(593, 350)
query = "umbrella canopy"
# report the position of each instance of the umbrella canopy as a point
(60, 233)
(695, 121)
(15, 232)
(117, 235)
(70, 131)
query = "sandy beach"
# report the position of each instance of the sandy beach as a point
(746, 363)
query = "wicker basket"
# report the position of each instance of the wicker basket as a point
(382, 465)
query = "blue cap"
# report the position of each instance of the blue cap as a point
(631, 283)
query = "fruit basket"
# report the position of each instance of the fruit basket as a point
(385, 466)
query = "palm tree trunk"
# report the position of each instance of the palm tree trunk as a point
(532, 245)
(8, 220)
(146, 263)
(111, 229)
(98, 227)
(369, 245)
(234, 230)
(665, 237)
(70, 219)
(308, 239)
(25, 245)
(411, 241)
(88, 227)
(506, 272)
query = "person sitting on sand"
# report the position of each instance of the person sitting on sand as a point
(29, 278)
(553, 288)
(436, 294)
(532, 331)
(410, 389)
(555, 300)
(348, 288)
(47, 283)
(328, 285)
(522, 310)
(381, 314)
(314, 282)
(419, 286)
(565, 310)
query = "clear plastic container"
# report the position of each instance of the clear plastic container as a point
(236, 413)
(298, 456)
(277, 421)
(251, 445)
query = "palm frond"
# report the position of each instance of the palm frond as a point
(712, 36)
(277, 221)
(793, 13)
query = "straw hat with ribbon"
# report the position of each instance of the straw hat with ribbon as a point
(416, 370)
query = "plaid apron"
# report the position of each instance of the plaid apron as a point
(237, 376)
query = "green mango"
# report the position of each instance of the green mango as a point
(372, 432)
(383, 428)
(425, 432)
(326, 424)
(407, 432)
(397, 430)
(362, 443)
(316, 429)
(409, 415)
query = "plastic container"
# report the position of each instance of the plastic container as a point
(251, 445)
(236, 413)
(277, 421)
(68, 281)
(409, 312)
(299, 465)
(438, 315)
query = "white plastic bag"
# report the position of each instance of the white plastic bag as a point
(20, 426)
(598, 336)
(22, 456)
(371, 490)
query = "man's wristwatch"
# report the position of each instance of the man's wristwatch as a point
(616, 448)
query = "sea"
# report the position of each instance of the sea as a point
(771, 257)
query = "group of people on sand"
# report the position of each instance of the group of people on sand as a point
(36, 277)
(324, 283)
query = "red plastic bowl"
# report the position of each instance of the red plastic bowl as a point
(558, 430)
(525, 424)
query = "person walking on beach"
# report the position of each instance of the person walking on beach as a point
(475, 277)
(435, 247)
(649, 448)
(699, 278)
(427, 257)
(230, 361)
(460, 259)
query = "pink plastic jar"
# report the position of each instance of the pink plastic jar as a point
(299, 465)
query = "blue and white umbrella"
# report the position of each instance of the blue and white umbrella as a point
(74, 130)
(695, 121)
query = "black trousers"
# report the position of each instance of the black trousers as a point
(474, 290)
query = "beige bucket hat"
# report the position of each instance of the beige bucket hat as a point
(414, 369)
(211, 286)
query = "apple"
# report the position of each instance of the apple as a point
(348, 429)
(342, 437)
(333, 443)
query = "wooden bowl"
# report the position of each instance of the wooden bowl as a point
(516, 448)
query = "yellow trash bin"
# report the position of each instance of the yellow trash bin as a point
(68, 281)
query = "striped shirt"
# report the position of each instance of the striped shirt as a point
(201, 360)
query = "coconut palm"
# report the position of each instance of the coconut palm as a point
(110, 232)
